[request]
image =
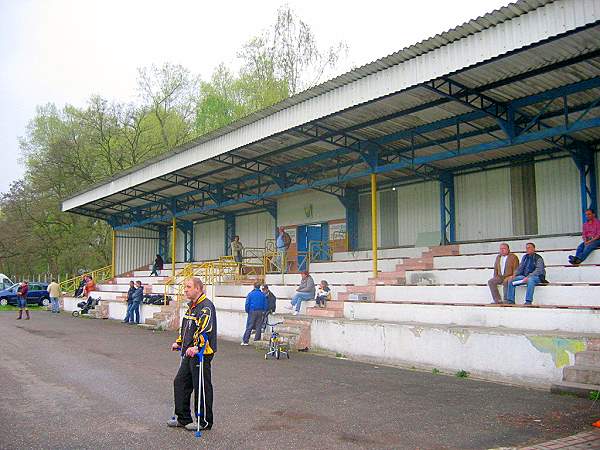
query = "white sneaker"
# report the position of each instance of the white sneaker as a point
(244, 343)
(295, 313)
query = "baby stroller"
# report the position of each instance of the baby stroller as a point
(278, 345)
(86, 306)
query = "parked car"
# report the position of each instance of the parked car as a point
(37, 295)
(5, 282)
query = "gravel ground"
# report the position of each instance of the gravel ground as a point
(94, 384)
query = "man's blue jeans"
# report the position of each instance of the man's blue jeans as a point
(55, 305)
(299, 297)
(135, 312)
(583, 251)
(129, 314)
(532, 281)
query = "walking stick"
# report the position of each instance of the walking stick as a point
(201, 395)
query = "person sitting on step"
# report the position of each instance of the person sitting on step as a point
(530, 272)
(323, 294)
(591, 238)
(305, 291)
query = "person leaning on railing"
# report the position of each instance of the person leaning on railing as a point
(282, 243)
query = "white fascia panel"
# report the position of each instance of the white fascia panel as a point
(542, 23)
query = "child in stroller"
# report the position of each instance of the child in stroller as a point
(86, 306)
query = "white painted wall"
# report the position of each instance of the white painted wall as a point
(418, 211)
(325, 207)
(254, 229)
(483, 205)
(558, 198)
(209, 240)
(135, 248)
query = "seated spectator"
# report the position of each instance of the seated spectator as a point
(89, 287)
(504, 269)
(323, 294)
(158, 265)
(256, 305)
(271, 305)
(305, 291)
(130, 292)
(591, 238)
(136, 301)
(530, 272)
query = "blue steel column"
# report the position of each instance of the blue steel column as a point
(229, 231)
(447, 210)
(351, 204)
(586, 164)
(188, 240)
(163, 241)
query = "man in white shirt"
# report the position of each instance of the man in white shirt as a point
(504, 268)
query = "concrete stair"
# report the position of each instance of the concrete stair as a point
(295, 331)
(332, 309)
(166, 319)
(583, 377)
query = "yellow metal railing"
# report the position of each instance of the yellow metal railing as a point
(98, 275)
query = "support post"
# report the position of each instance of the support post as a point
(229, 231)
(163, 238)
(586, 164)
(447, 209)
(188, 240)
(374, 221)
(173, 246)
(351, 204)
(113, 253)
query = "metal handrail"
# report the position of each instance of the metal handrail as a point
(72, 284)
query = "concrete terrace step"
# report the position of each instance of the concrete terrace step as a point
(362, 265)
(333, 278)
(579, 389)
(408, 252)
(236, 290)
(544, 295)
(544, 319)
(542, 244)
(144, 280)
(325, 312)
(583, 274)
(588, 358)
(551, 258)
(582, 374)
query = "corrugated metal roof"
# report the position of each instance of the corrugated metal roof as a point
(498, 73)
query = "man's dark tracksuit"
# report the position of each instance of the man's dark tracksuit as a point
(200, 319)
(256, 305)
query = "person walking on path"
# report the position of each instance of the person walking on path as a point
(54, 293)
(136, 300)
(128, 315)
(256, 305)
(198, 330)
(305, 291)
(22, 291)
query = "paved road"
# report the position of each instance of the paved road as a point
(76, 383)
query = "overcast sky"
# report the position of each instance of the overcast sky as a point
(63, 51)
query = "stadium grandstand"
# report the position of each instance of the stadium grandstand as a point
(396, 182)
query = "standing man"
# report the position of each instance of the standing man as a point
(136, 301)
(590, 236)
(198, 330)
(129, 315)
(283, 243)
(504, 268)
(256, 305)
(237, 250)
(530, 272)
(54, 292)
(22, 291)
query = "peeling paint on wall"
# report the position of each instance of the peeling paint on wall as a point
(559, 348)
(416, 331)
(461, 334)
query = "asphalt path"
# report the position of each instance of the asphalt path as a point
(74, 383)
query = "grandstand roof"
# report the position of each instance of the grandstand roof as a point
(518, 83)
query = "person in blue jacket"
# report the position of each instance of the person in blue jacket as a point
(256, 305)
